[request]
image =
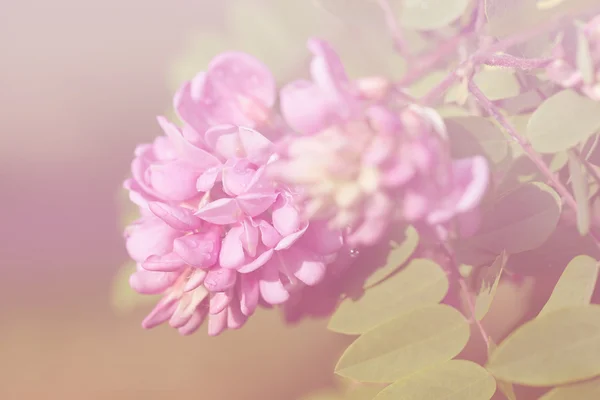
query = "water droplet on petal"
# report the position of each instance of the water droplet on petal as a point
(354, 253)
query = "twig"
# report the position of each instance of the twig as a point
(390, 20)
(506, 60)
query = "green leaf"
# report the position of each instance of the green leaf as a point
(506, 388)
(518, 221)
(576, 391)
(584, 61)
(431, 14)
(124, 299)
(415, 340)
(580, 187)
(420, 283)
(563, 121)
(398, 255)
(452, 380)
(489, 284)
(575, 286)
(497, 83)
(472, 135)
(559, 347)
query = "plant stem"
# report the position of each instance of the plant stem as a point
(509, 61)
(399, 42)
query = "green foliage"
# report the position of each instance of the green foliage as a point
(556, 348)
(421, 282)
(575, 286)
(497, 83)
(582, 390)
(563, 121)
(451, 380)
(517, 221)
(431, 14)
(398, 255)
(472, 135)
(417, 339)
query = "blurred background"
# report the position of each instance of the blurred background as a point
(80, 85)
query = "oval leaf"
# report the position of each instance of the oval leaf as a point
(575, 286)
(518, 221)
(472, 135)
(497, 83)
(576, 391)
(585, 63)
(559, 347)
(422, 282)
(452, 380)
(580, 187)
(398, 255)
(563, 121)
(431, 14)
(409, 343)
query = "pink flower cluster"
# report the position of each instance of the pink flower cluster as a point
(238, 210)
(568, 69)
(365, 161)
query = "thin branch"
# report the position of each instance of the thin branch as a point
(390, 20)
(509, 61)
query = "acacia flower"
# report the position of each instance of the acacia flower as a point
(217, 237)
(363, 164)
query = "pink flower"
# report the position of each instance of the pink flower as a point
(217, 236)
(363, 165)
(566, 71)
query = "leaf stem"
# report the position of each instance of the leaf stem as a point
(397, 37)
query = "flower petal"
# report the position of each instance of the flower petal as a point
(220, 279)
(200, 250)
(248, 293)
(152, 282)
(221, 212)
(179, 218)
(271, 287)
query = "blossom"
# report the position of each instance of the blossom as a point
(363, 164)
(571, 68)
(217, 236)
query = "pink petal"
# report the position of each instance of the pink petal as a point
(194, 323)
(286, 219)
(220, 279)
(289, 240)
(249, 238)
(253, 204)
(232, 253)
(199, 158)
(179, 218)
(306, 108)
(326, 67)
(268, 234)
(167, 263)
(225, 141)
(160, 314)
(195, 280)
(174, 180)
(257, 148)
(217, 323)
(263, 257)
(237, 174)
(200, 249)
(189, 109)
(221, 212)
(208, 178)
(271, 287)
(321, 239)
(232, 77)
(305, 266)
(248, 293)
(472, 176)
(219, 301)
(235, 318)
(149, 237)
(152, 282)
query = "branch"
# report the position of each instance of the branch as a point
(399, 42)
